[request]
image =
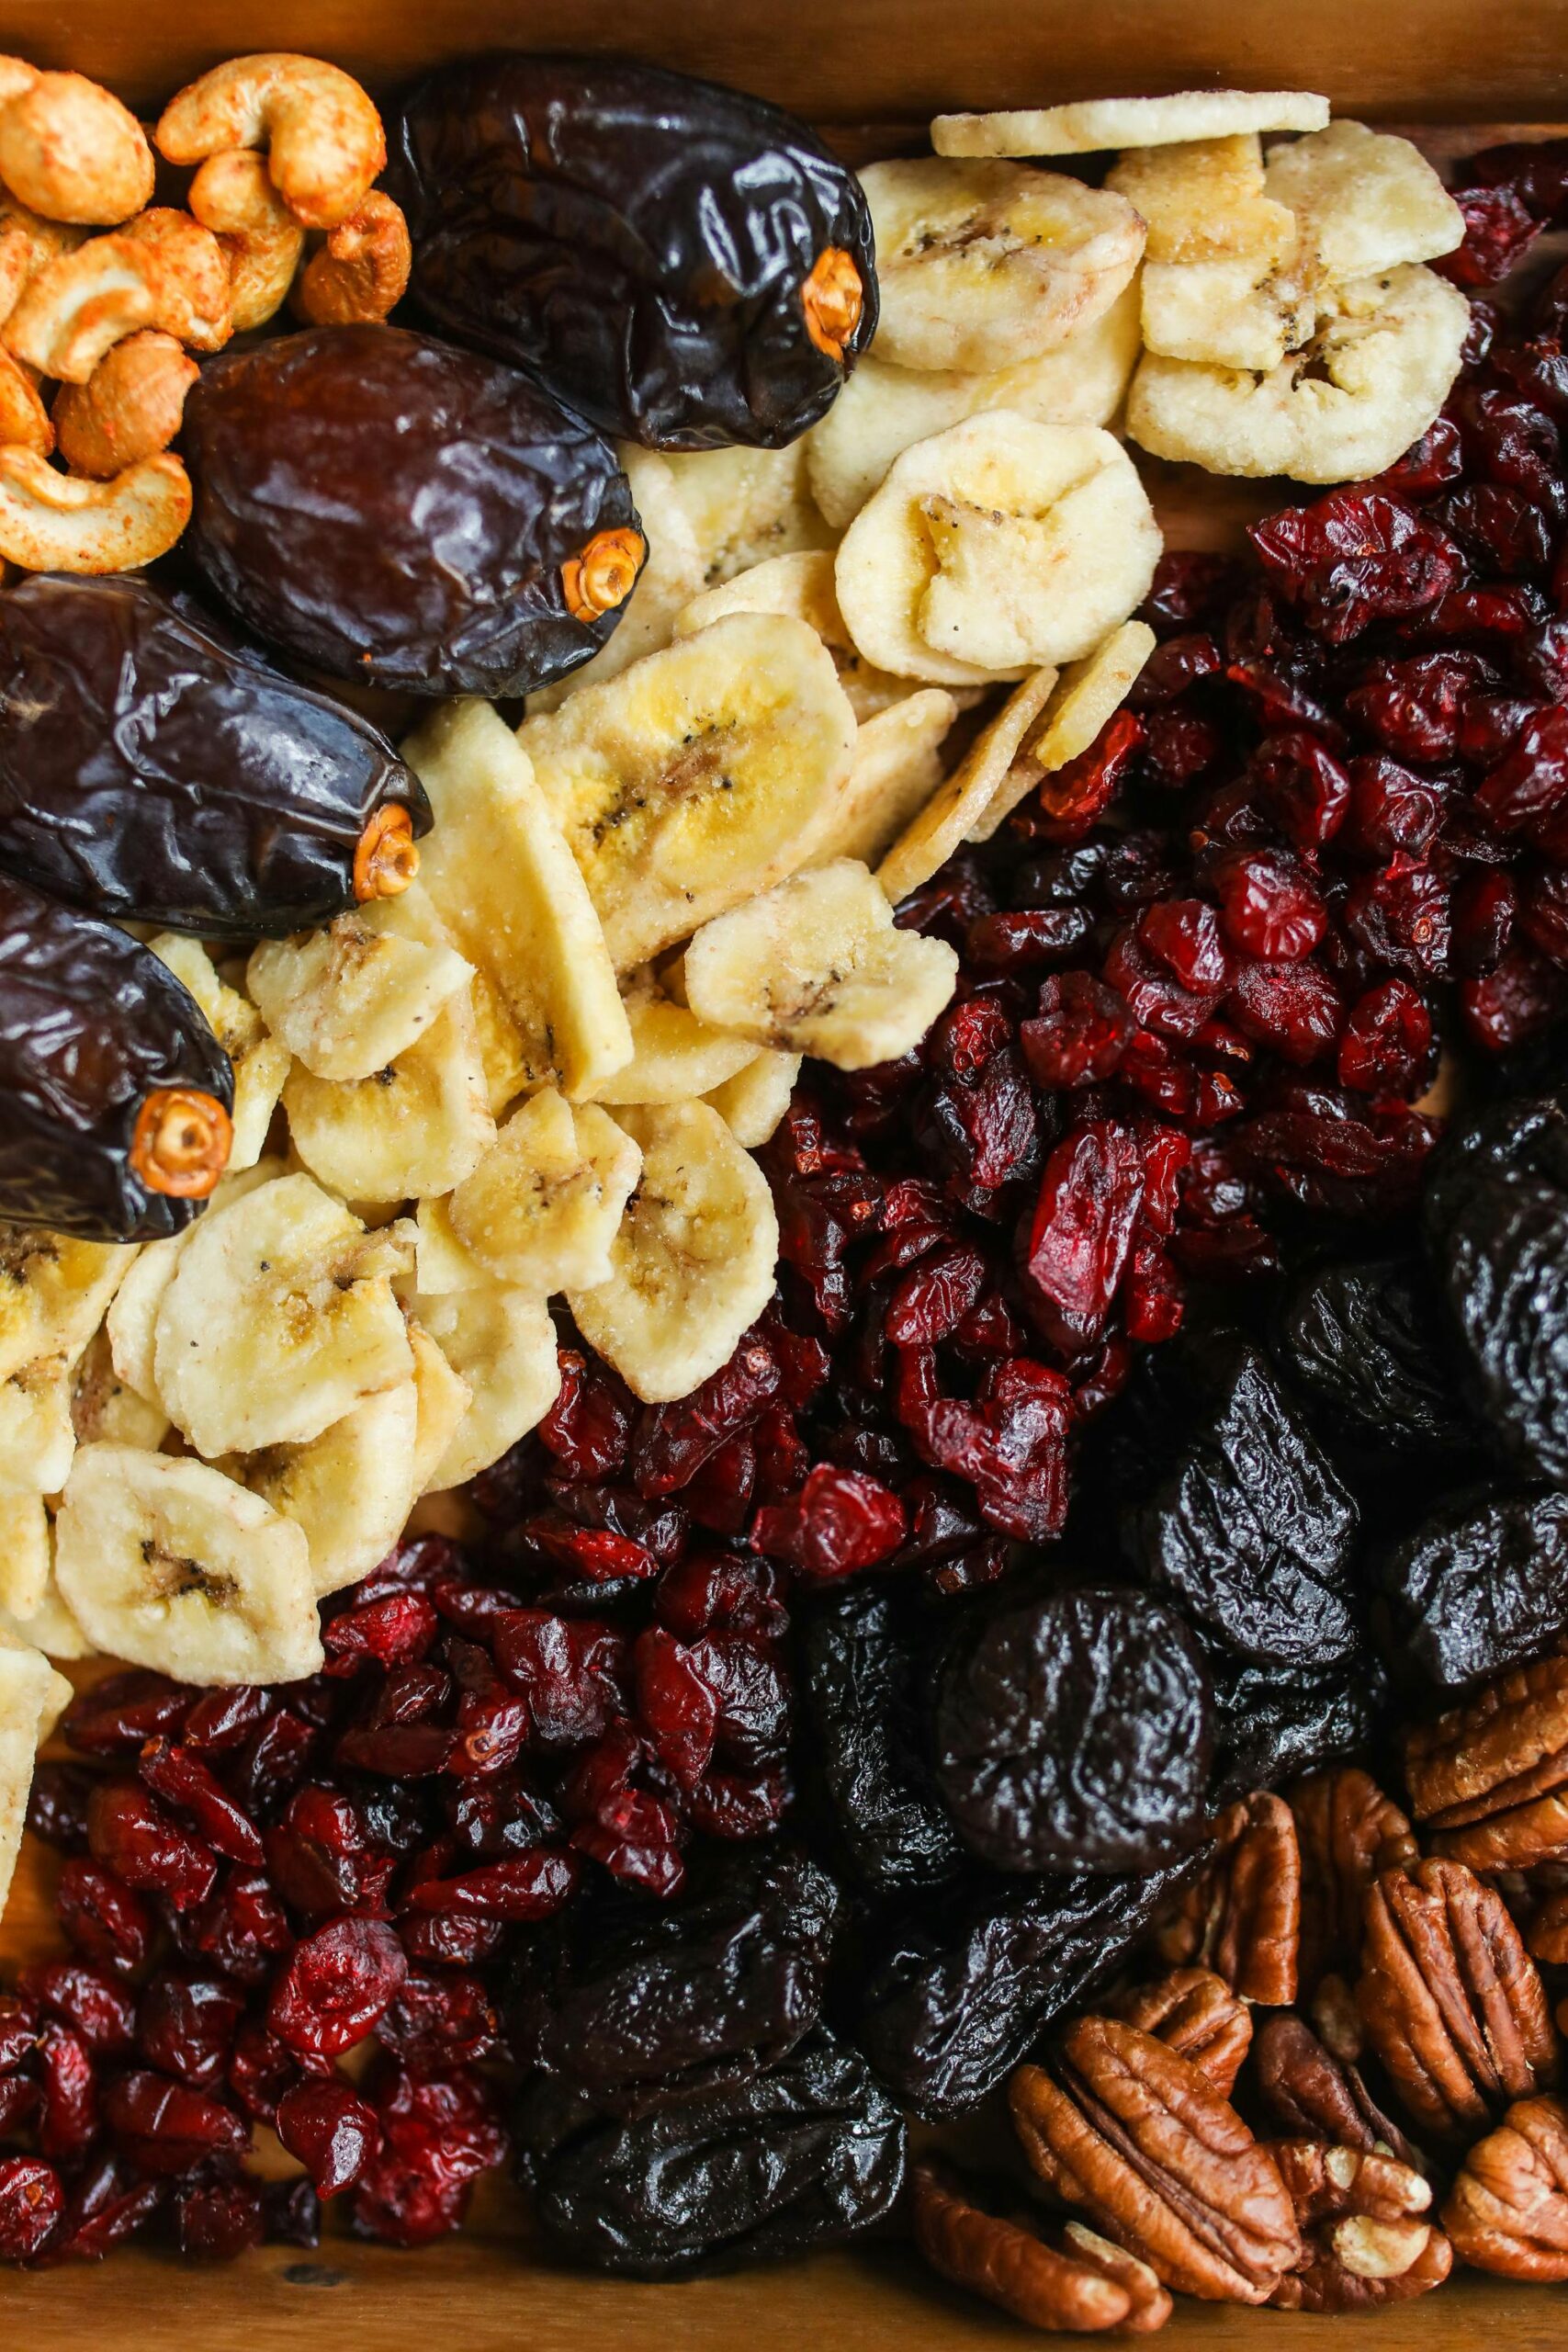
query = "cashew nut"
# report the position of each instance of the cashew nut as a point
(24, 419)
(54, 522)
(129, 409)
(322, 135)
(27, 242)
(362, 271)
(196, 274)
(68, 149)
(233, 195)
(162, 270)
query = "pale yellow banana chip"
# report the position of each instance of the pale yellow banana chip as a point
(443, 1397)
(37, 1436)
(1087, 693)
(417, 1127)
(697, 776)
(32, 1698)
(442, 1262)
(541, 1209)
(801, 586)
(675, 572)
(347, 1001)
(50, 1628)
(132, 1322)
(752, 1103)
(1224, 277)
(1092, 124)
(674, 1055)
(896, 770)
(744, 507)
(53, 1292)
(104, 1409)
(350, 1489)
(929, 841)
(1365, 200)
(25, 1552)
(503, 1343)
(261, 1061)
(693, 1262)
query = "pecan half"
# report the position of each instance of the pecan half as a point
(1362, 2215)
(1507, 2210)
(1490, 1778)
(1310, 2091)
(1009, 2264)
(1547, 1936)
(1242, 1916)
(1136, 2134)
(1451, 2000)
(1347, 1830)
(1195, 2012)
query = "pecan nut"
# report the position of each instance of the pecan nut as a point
(1242, 1916)
(1490, 1778)
(1311, 2092)
(1452, 2002)
(1347, 1830)
(1135, 2133)
(1195, 2012)
(1011, 2265)
(1507, 2210)
(1547, 1936)
(1363, 2216)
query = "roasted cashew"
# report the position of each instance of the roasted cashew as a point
(54, 522)
(233, 195)
(24, 419)
(68, 149)
(129, 409)
(322, 135)
(362, 271)
(162, 270)
(27, 242)
(196, 275)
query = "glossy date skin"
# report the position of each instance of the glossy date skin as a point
(643, 242)
(386, 508)
(151, 771)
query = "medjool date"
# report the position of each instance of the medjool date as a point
(683, 264)
(390, 509)
(152, 771)
(1480, 1586)
(1365, 1341)
(862, 1699)
(1074, 1732)
(115, 1095)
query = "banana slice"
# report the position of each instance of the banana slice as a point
(1085, 695)
(132, 1322)
(418, 1127)
(348, 999)
(697, 776)
(504, 882)
(983, 264)
(503, 1343)
(1365, 200)
(883, 410)
(801, 586)
(1224, 279)
(350, 1489)
(896, 770)
(442, 1396)
(37, 1436)
(261, 1062)
(675, 1056)
(32, 1698)
(106, 1409)
(50, 1627)
(693, 1262)
(278, 1319)
(503, 1050)
(675, 572)
(442, 1262)
(1378, 369)
(1097, 123)
(541, 1209)
(53, 1292)
(166, 1562)
(744, 507)
(994, 547)
(25, 1552)
(929, 841)
(752, 1103)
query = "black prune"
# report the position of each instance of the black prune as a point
(1480, 1585)
(1273, 1723)
(390, 509)
(152, 771)
(1249, 1530)
(1365, 1341)
(683, 264)
(640, 2007)
(1074, 1732)
(862, 1699)
(115, 1095)
(806, 2155)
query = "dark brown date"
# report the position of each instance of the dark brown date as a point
(152, 771)
(685, 264)
(115, 1095)
(390, 509)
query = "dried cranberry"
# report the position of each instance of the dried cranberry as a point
(242, 1929)
(1267, 905)
(1029, 940)
(525, 1886)
(102, 1916)
(332, 2131)
(1185, 935)
(101, 2011)
(1305, 786)
(572, 1672)
(1355, 556)
(840, 1524)
(440, 2020)
(1080, 1232)
(1531, 783)
(1176, 663)
(1543, 913)
(1076, 796)
(145, 1847)
(32, 2207)
(185, 2025)
(1394, 811)
(1501, 526)
(1499, 230)
(1414, 708)
(1080, 1034)
(216, 2221)
(1294, 1008)
(164, 2128)
(336, 1985)
(181, 1778)
(1386, 1040)
(1401, 917)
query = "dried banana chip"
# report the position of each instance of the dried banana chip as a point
(261, 1062)
(1365, 200)
(816, 966)
(883, 410)
(896, 770)
(417, 1127)
(693, 1262)
(997, 547)
(50, 1628)
(801, 586)
(37, 1437)
(983, 264)
(442, 1262)
(505, 884)
(1087, 693)
(697, 776)
(132, 1322)
(929, 841)
(166, 1562)
(53, 1292)
(278, 1319)
(752, 1103)
(675, 573)
(106, 1409)
(442, 1396)
(350, 1489)
(1095, 123)
(675, 1054)
(541, 1209)
(26, 1552)
(1223, 279)
(743, 506)
(32, 1698)
(348, 999)
(1378, 369)
(503, 1343)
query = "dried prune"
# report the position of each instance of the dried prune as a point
(863, 1698)
(640, 2007)
(115, 1095)
(1273, 1722)
(1073, 1733)
(390, 509)
(1365, 1341)
(153, 770)
(1480, 1585)
(683, 264)
(803, 2156)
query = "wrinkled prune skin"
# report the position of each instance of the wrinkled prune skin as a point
(1275, 1722)
(1480, 1585)
(390, 509)
(1497, 1217)
(151, 771)
(806, 2155)
(1249, 1531)
(955, 2002)
(640, 2009)
(862, 1690)
(1074, 1732)
(636, 239)
(1363, 1341)
(91, 1024)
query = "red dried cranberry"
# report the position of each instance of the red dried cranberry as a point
(1386, 1040)
(1156, 999)
(102, 1916)
(1080, 1232)
(1394, 812)
(1074, 798)
(671, 1442)
(1501, 526)
(1490, 726)
(934, 1297)
(1267, 905)
(57, 1805)
(1520, 996)
(1294, 1008)
(1185, 935)
(32, 2207)
(1080, 1034)
(677, 1708)
(334, 1987)
(69, 2121)
(332, 2131)
(1175, 664)
(434, 2021)
(145, 1847)
(587, 1427)
(1413, 708)
(1499, 230)
(1009, 1445)
(1300, 782)
(1189, 584)
(1027, 941)
(1543, 913)
(182, 1780)
(1177, 746)
(117, 1714)
(1485, 908)
(185, 2025)
(1355, 556)
(1428, 465)
(1531, 783)
(840, 1525)
(216, 2221)
(1401, 917)
(101, 2011)
(93, 2229)
(396, 1630)
(166, 2128)
(1154, 1301)
(242, 1929)
(572, 1671)
(525, 1886)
